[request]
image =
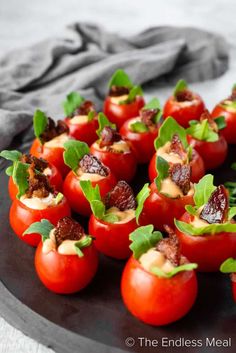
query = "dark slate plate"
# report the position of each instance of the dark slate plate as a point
(95, 320)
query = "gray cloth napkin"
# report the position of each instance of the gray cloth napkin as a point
(84, 59)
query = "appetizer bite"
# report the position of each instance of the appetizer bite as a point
(158, 284)
(84, 166)
(171, 144)
(229, 266)
(36, 199)
(50, 139)
(184, 105)
(227, 109)
(206, 231)
(40, 165)
(81, 118)
(207, 140)
(113, 151)
(142, 130)
(124, 100)
(113, 218)
(65, 260)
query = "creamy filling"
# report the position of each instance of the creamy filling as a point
(124, 216)
(117, 100)
(228, 106)
(88, 176)
(198, 222)
(37, 203)
(79, 119)
(169, 156)
(188, 103)
(57, 141)
(120, 146)
(47, 171)
(154, 258)
(168, 187)
(67, 247)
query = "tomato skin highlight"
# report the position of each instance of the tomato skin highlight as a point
(112, 239)
(74, 194)
(66, 274)
(208, 251)
(183, 114)
(154, 300)
(142, 143)
(159, 209)
(122, 165)
(85, 132)
(21, 217)
(119, 113)
(230, 118)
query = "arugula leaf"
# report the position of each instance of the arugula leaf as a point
(186, 267)
(215, 228)
(181, 85)
(191, 210)
(202, 131)
(203, 190)
(59, 198)
(168, 129)
(120, 79)
(162, 167)
(140, 199)
(220, 122)
(133, 93)
(40, 122)
(74, 152)
(154, 103)
(83, 243)
(231, 186)
(110, 218)
(143, 239)
(102, 122)
(228, 266)
(229, 105)
(138, 127)
(233, 166)
(9, 170)
(72, 102)
(11, 155)
(43, 228)
(20, 177)
(93, 196)
(91, 115)
(231, 213)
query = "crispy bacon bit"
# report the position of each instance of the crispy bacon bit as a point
(53, 130)
(85, 108)
(39, 185)
(170, 246)
(117, 91)
(121, 196)
(184, 96)
(39, 163)
(180, 175)
(177, 147)
(206, 115)
(109, 136)
(68, 229)
(216, 209)
(90, 164)
(148, 115)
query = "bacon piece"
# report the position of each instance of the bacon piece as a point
(121, 196)
(91, 164)
(85, 108)
(39, 185)
(109, 136)
(68, 229)
(148, 115)
(184, 96)
(117, 91)
(53, 130)
(170, 247)
(180, 175)
(39, 163)
(206, 115)
(177, 147)
(216, 209)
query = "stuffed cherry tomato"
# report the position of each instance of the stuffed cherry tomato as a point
(229, 266)
(208, 234)
(183, 105)
(124, 99)
(158, 285)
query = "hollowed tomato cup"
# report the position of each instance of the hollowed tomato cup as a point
(230, 118)
(85, 132)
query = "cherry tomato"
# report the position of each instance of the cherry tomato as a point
(159, 209)
(65, 274)
(21, 217)
(85, 132)
(208, 251)
(196, 163)
(233, 280)
(119, 113)
(55, 180)
(212, 153)
(75, 196)
(183, 112)
(122, 164)
(142, 143)
(154, 300)
(112, 239)
(230, 118)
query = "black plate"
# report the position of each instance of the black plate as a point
(95, 320)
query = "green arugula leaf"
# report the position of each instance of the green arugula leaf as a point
(93, 196)
(203, 190)
(20, 177)
(11, 155)
(120, 79)
(162, 167)
(83, 243)
(91, 115)
(233, 166)
(110, 218)
(40, 122)
(138, 127)
(168, 129)
(133, 93)
(191, 210)
(43, 228)
(229, 105)
(231, 213)
(154, 103)
(140, 199)
(228, 266)
(181, 85)
(186, 267)
(9, 170)
(215, 228)
(231, 186)
(202, 131)
(72, 102)
(143, 239)
(102, 122)
(59, 198)
(220, 122)
(74, 152)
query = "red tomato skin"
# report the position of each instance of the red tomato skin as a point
(74, 194)
(66, 274)
(122, 165)
(230, 118)
(55, 180)
(52, 155)
(233, 281)
(208, 251)
(159, 209)
(112, 239)
(142, 143)
(21, 217)
(119, 113)
(197, 164)
(212, 153)
(154, 300)
(183, 114)
(85, 132)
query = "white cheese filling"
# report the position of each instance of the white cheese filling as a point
(67, 247)
(37, 203)
(57, 141)
(79, 119)
(117, 100)
(154, 258)
(124, 216)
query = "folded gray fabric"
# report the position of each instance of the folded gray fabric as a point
(84, 59)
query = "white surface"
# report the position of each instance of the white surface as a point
(22, 22)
